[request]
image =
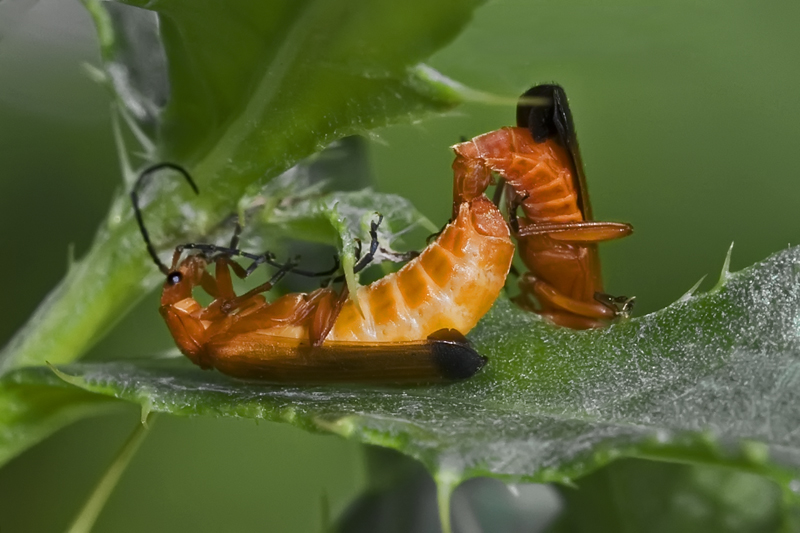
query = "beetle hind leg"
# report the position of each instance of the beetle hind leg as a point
(564, 310)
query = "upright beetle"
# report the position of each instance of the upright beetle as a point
(542, 173)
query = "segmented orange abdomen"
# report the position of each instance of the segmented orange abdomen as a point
(541, 171)
(452, 283)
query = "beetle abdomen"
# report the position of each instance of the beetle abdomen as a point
(451, 285)
(539, 172)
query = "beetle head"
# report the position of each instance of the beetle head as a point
(182, 279)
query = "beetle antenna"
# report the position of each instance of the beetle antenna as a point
(146, 173)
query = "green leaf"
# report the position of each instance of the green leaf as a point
(237, 94)
(711, 378)
(300, 211)
(308, 217)
(31, 412)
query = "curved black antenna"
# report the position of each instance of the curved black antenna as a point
(138, 212)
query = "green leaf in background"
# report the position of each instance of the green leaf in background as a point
(634, 495)
(302, 212)
(711, 378)
(402, 496)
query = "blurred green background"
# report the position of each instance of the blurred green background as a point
(687, 117)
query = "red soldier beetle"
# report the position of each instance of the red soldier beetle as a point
(409, 329)
(542, 174)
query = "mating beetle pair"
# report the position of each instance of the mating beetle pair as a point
(409, 326)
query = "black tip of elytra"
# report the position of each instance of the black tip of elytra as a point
(544, 111)
(453, 356)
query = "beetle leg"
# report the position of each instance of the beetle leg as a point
(433, 236)
(513, 201)
(269, 259)
(555, 301)
(357, 251)
(219, 287)
(237, 301)
(310, 274)
(498, 192)
(237, 231)
(209, 249)
(238, 269)
(399, 257)
(209, 285)
(325, 314)
(577, 232)
(258, 259)
(362, 263)
(266, 257)
(223, 279)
